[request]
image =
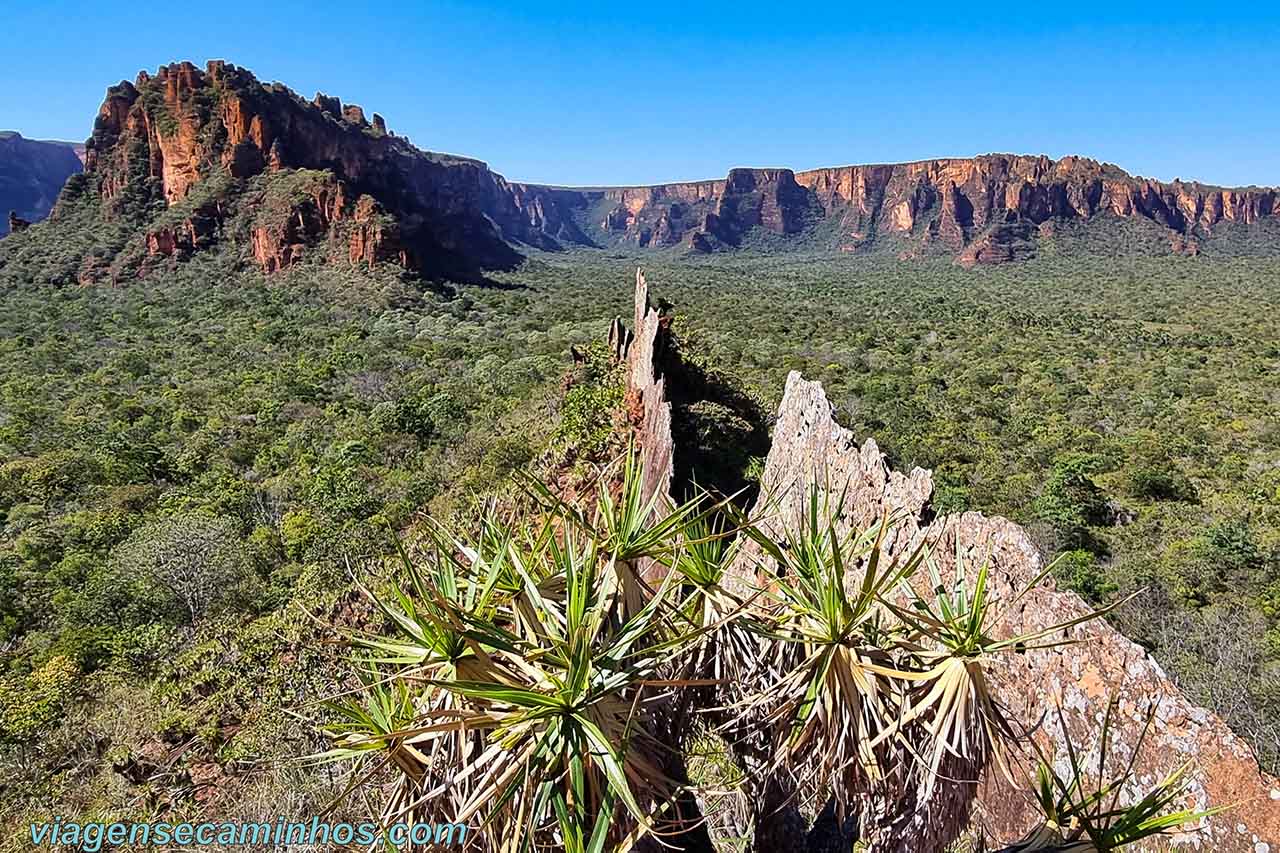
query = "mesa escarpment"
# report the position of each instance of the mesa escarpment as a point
(197, 156)
(707, 215)
(984, 209)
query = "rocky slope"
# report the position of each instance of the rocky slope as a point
(1095, 667)
(32, 173)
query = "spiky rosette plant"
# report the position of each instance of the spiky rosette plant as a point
(532, 671)
(956, 645)
(402, 712)
(1082, 809)
(827, 681)
(701, 563)
(540, 686)
(634, 525)
(951, 726)
(573, 763)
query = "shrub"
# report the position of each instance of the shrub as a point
(29, 706)
(301, 532)
(1161, 484)
(590, 404)
(196, 560)
(1079, 571)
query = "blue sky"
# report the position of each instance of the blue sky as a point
(633, 92)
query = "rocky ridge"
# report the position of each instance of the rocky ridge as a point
(1097, 667)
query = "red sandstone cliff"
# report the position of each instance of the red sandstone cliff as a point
(187, 130)
(205, 143)
(984, 208)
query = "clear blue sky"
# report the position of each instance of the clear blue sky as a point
(642, 92)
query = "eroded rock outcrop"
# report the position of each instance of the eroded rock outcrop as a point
(223, 131)
(809, 447)
(710, 214)
(646, 397)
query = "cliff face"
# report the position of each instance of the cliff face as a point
(993, 201)
(187, 129)
(31, 176)
(985, 209)
(708, 214)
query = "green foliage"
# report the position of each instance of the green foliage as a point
(1231, 545)
(1160, 484)
(591, 404)
(1070, 501)
(1078, 570)
(195, 562)
(311, 409)
(30, 705)
(719, 428)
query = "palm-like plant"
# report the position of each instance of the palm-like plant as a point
(1086, 816)
(636, 531)
(953, 644)
(566, 710)
(827, 680)
(701, 562)
(530, 680)
(538, 682)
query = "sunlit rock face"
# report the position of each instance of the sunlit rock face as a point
(1080, 678)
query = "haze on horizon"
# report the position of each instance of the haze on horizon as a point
(587, 95)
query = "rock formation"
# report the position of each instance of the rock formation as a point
(809, 447)
(709, 214)
(196, 140)
(1080, 678)
(221, 130)
(646, 397)
(32, 173)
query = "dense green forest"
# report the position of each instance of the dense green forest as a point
(1121, 403)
